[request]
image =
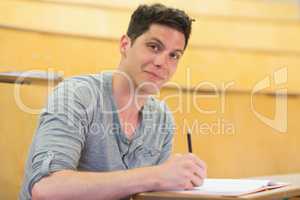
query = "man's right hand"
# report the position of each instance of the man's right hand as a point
(181, 172)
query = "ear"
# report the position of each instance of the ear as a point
(125, 44)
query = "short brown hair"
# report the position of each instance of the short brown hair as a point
(146, 15)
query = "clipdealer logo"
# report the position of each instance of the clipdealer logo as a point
(279, 79)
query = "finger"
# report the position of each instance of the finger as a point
(197, 160)
(199, 172)
(196, 180)
(189, 185)
(192, 167)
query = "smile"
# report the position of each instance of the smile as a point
(154, 76)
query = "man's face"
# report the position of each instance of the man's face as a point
(153, 57)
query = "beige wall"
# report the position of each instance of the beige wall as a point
(241, 41)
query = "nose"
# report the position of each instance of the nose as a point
(160, 60)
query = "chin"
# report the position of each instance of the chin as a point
(144, 85)
(149, 89)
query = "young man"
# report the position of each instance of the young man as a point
(103, 136)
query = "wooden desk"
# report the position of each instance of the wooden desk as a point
(36, 77)
(280, 193)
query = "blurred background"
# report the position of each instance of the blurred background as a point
(236, 87)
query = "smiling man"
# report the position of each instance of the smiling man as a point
(104, 136)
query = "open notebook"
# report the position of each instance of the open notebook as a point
(233, 187)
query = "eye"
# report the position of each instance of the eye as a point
(175, 55)
(154, 47)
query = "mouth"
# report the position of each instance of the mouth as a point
(154, 76)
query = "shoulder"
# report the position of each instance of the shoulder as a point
(79, 91)
(87, 85)
(88, 81)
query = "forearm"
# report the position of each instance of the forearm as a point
(95, 185)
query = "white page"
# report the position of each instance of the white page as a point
(231, 187)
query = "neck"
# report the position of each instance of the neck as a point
(124, 92)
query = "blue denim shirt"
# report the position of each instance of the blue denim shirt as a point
(79, 129)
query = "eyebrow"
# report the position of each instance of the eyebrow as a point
(162, 44)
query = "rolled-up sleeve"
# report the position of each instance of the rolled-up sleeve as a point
(60, 135)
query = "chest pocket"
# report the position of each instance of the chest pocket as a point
(150, 152)
(148, 156)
